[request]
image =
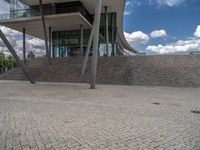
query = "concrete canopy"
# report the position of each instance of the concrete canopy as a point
(33, 25)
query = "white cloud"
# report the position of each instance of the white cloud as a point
(4, 7)
(137, 38)
(10, 34)
(170, 3)
(180, 46)
(127, 12)
(15, 39)
(128, 3)
(197, 32)
(158, 34)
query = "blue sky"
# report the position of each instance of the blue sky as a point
(177, 20)
(150, 26)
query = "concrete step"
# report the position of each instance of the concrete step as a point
(137, 70)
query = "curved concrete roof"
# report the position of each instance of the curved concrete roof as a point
(120, 32)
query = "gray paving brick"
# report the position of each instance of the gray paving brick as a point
(70, 116)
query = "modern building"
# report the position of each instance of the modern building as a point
(67, 25)
(70, 23)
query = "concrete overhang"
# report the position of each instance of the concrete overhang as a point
(113, 5)
(58, 22)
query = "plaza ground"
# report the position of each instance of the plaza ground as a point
(72, 116)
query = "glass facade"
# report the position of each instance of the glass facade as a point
(61, 8)
(67, 43)
(18, 9)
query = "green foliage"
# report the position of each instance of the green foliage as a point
(30, 55)
(6, 62)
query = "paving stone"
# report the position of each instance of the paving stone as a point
(71, 116)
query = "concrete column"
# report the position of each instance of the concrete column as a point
(95, 43)
(107, 33)
(88, 50)
(50, 42)
(81, 41)
(24, 45)
(44, 29)
(113, 37)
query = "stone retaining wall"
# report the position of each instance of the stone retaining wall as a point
(136, 70)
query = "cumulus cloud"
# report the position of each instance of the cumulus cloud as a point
(10, 34)
(128, 3)
(197, 32)
(170, 3)
(137, 38)
(4, 7)
(180, 46)
(127, 13)
(35, 45)
(158, 34)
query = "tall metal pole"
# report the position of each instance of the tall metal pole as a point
(95, 43)
(24, 45)
(50, 40)
(44, 28)
(107, 33)
(2, 63)
(81, 40)
(21, 64)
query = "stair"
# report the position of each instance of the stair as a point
(110, 71)
(136, 70)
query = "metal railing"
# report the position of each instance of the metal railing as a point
(27, 13)
(6, 68)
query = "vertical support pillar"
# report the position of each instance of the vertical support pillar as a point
(81, 40)
(95, 43)
(24, 45)
(107, 34)
(114, 32)
(44, 29)
(88, 50)
(50, 42)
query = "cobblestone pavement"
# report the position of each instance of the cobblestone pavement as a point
(71, 116)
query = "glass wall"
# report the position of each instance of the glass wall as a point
(112, 35)
(67, 43)
(17, 9)
(61, 8)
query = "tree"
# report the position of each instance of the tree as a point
(31, 55)
(1, 60)
(6, 62)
